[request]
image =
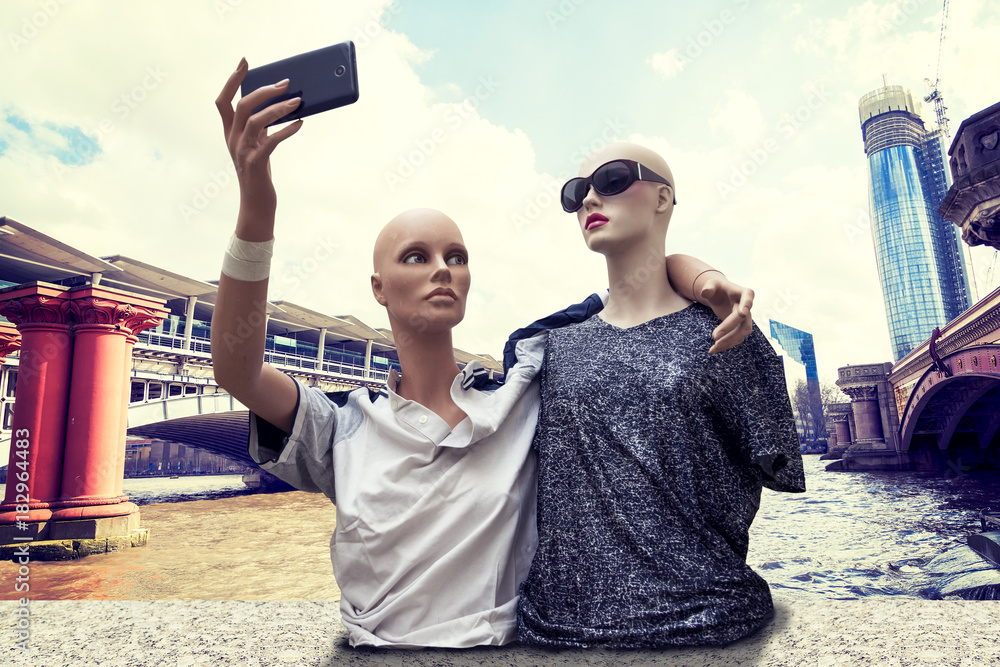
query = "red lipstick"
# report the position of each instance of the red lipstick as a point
(443, 291)
(595, 220)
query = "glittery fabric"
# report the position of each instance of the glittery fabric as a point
(652, 455)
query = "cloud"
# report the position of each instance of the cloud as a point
(163, 191)
(789, 237)
(737, 120)
(68, 144)
(670, 63)
(162, 188)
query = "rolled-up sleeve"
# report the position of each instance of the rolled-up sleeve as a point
(304, 457)
(758, 407)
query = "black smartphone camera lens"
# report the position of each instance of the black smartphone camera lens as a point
(340, 70)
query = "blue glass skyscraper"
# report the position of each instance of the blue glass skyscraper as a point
(799, 346)
(920, 260)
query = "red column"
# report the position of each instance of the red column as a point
(139, 321)
(94, 455)
(10, 340)
(40, 313)
(123, 421)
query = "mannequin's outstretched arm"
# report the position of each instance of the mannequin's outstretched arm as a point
(695, 280)
(239, 322)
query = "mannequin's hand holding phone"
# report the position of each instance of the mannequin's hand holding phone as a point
(305, 84)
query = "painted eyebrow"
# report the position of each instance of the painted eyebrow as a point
(423, 246)
(411, 247)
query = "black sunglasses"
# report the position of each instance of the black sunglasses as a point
(610, 178)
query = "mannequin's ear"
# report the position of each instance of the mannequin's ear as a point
(666, 196)
(377, 289)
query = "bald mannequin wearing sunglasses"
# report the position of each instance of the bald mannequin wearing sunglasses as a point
(649, 470)
(416, 567)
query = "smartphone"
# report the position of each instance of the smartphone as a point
(325, 79)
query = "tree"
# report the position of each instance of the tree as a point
(830, 393)
(807, 403)
(811, 407)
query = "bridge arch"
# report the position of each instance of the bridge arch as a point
(957, 406)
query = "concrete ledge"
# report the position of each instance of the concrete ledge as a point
(47, 550)
(870, 460)
(875, 631)
(76, 529)
(82, 529)
(987, 545)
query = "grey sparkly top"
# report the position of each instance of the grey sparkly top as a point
(652, 454)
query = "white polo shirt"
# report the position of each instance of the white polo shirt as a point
(435, 528)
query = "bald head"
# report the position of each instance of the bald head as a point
(622, 150)
(418, 224)
(417, 254)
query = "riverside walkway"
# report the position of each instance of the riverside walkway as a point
(247, 581)
(873, 632)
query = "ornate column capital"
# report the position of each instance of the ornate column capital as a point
(92, 310)
(36, 303)
(10, 339)
(130, 312)
(141, 318)
(861, 393)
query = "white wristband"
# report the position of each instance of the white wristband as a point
(249, 261)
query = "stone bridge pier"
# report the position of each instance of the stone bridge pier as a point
(867, 427)
(839, 417)
(66, 468)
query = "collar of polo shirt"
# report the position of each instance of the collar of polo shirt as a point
(430, 425)
(474, 375)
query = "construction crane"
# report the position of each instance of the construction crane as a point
(935, 94)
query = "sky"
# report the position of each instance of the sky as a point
(110, 140)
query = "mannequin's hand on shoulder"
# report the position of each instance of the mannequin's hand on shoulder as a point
(732, 304)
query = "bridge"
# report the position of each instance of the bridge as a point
(937, 408)
(191, 410)
(215, 423)
(96, 349)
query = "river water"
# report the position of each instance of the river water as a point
(851, 535)
(858, 534)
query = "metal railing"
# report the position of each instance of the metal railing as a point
(203, 347)
(172, 342)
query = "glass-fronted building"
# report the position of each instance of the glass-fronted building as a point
(921, 264)
(798, 345)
